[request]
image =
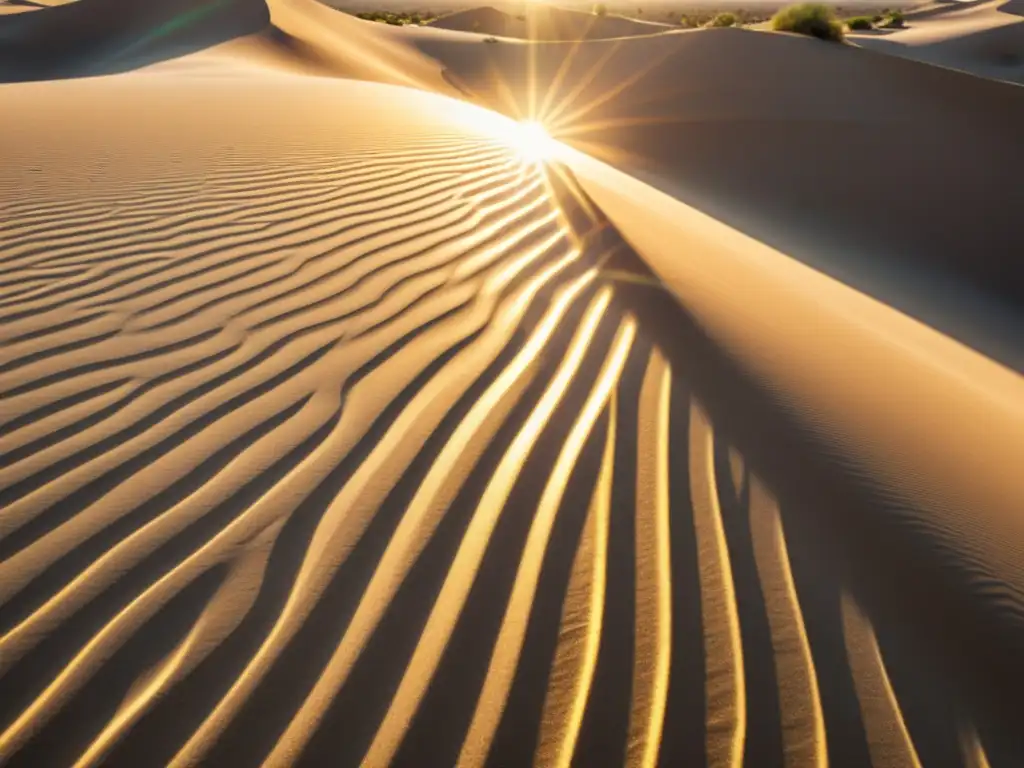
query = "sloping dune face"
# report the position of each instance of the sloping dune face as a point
(985, 38)
(826, 152)
(88, 37)
(336, 435)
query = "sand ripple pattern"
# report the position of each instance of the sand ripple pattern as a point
(363, 459)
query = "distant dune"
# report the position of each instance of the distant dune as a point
(984, 38)
(343, 422)
(539, 21)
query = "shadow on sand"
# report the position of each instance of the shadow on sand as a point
(101, 37)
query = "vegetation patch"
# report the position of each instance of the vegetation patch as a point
(860, 23)
(894, 20)
(723, 20)
(813, 19)
(395, 19)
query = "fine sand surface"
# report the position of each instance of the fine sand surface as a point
(337, 430)
(984, 37)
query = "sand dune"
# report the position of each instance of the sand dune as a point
(335, 430)
(537, 21)
(984, 38)
(694, 114)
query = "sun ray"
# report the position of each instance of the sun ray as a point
(612, 93)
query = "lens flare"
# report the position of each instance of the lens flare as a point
(531, 140)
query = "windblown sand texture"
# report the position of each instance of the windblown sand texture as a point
(336, 430)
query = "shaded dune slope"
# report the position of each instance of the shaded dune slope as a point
(984, 38)
(802, 145)
(100, 36)
(357, 439)
(92, 37)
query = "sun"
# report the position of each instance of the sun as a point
(528, 139)
(531, 140)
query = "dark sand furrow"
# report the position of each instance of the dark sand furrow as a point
(513, 689)
(193, 250)
(652, 657)
(34, 418)
(761, 678)
(15, 285)
(444, 233)
(239, 741)
(405, 272)
(155, 433)
(801, 721)
(337, 669)
(361, 196)
(574, 658)
(148, 534)
(726, 685)
(157, 204)
(327, 232)
(888, 740)
(220, 178)
(197, 215)
(68, 346)
(145, 352)
(303, 330)
(114, 451)
(353, 527)
(451, 648)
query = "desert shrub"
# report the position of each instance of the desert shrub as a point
(723, 20)
(600, 9)
(860, 23)
(812, 19)
(490, 39)
(877, 18)
(395, 19)
(894, 20)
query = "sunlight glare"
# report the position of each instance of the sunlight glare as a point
(531, 140)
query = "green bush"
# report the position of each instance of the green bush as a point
(859, 23)
(723, 20)
(396, 19)
(894, 21)
(812, 19)
(600, 9)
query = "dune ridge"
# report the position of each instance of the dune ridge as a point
(544, 22)
(336, 431)
(980, 37)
